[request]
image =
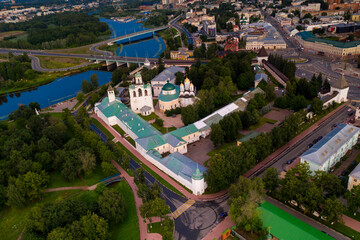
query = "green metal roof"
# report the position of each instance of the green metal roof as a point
(251, 135)
(308, 36)
(170, 97)
(168, 86)
(197, 175)
(184, 131)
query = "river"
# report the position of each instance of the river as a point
(150, 47)
(59, 90)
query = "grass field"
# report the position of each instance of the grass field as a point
(11, 34)
(119, 130)
(12, 220)
(60, 62)
(95, 177)
(129, 229)
(108, 48)
(102, 128)
(77, 50)
(149, 117)
(57, 180)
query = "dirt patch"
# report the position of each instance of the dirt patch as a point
(278, 114)
(197, 151)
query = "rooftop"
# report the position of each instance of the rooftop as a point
(356, 172)
(330, 144)
(341, 83)
(308, 36)
(167, 74)
(169, 97)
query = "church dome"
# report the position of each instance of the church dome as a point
(181, 84)
(168, 86)
(187, 80)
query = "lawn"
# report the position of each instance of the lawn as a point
(102, 128)
(57, 180)
(163, 130)
(60, 62)
(108, 48)
(129, 229)
(162, 227)
(131, 141)
(11, 34)
(95, 177)
(222, 147)
(13, 219)
(78, 50)
(262, 121)
(149, 117)
(119, 130)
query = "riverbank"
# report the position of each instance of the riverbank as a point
(45, 78)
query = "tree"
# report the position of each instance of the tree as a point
(80, 97)
(271, 179)
(353, 198)
(316, 106)
(35, 184)
(60, 233)
(86, 86)
(139, 176)
(299, 28)
(159, 122)
(217, 135)
(189, 114)
(333, 209)
(156, 207)
(34, 105)
(245, 197)
(161, 65)
(116, 76)
(88, 162)
(94, 80)
(92, 226)
(112, 205)
(16, 193)
(108, 168)
(180, 77)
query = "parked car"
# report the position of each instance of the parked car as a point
(310, 145)
(315, 141)
(291, 161)
(319, 138)
(344, 173)
(223, 215)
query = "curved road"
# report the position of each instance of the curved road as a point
(35, 64)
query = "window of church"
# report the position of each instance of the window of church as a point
(140, 92)
(146, 93)
(134, 94)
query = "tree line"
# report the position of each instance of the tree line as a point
(312, 192)
(60, 30)
(225, 167)
(287, 67)
(217, 82)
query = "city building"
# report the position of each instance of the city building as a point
(352, 7)
(331, 148)
(209, 28)
(140, 96)
(165, 151)
(331, 48)
(260, 35)
(262, 55)
(355, 17)
(173, 96)
(182, 54)
(354, 178)
(161, 79)
(232, 44)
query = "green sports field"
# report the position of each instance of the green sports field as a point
(286, 227)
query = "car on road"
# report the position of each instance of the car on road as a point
(334, 125)
(315, 141)
(319, 138)
(290, 161)
(310, 145)
(223, 215)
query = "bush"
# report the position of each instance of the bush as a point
(159, 122)
(176, 111)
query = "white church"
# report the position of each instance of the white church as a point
(141, 96)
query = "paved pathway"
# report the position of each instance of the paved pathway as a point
(163, 175)
(138, 202)
(183, 208)
(346, 164)
(91, 188)
(351, 223)
(215, 233)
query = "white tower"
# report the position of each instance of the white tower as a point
(187, 84)
(342, 87)
(198, 182)
(141, 96)
(111, 94)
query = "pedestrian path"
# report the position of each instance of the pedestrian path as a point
(183, 208)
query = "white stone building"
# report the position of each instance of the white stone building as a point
(338, 92)
(330, 149)
(141, 96)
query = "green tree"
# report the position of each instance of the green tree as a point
(88, 162)
(353, 198)
(217, 135)
(80, 97)
(271, 179)
(180, 77)
(94, 79)
(333, 209)
(156, 207)
(93, 227)
(112, 205)
(35, 184)
(316, 106)
(108, 168)
(60, 233)
(86, 86)
(189, 114)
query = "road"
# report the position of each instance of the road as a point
(196, 221)
(301, 146)
(316, 64)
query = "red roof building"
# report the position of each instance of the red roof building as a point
(232, 44)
